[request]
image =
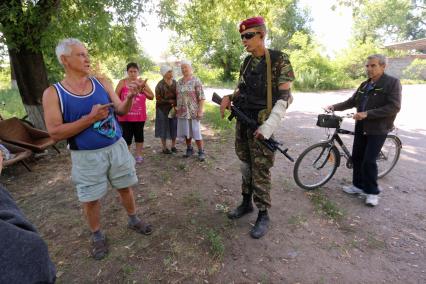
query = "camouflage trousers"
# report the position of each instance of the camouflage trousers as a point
(257, 161)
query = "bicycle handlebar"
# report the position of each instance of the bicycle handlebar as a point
(341, 116)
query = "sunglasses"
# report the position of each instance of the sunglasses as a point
(249, 35)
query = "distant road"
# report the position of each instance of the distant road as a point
(410, 118)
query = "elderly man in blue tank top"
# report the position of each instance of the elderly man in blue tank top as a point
(81, 109)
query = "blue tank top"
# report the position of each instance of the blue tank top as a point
(73, 107)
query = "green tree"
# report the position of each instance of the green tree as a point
(31, 30)
(388, 20)
(208, 33)
(287, 21)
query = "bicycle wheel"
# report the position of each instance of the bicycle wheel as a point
(316, 165)
(389, 155)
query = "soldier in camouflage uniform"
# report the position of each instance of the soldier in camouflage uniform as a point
(251, 98)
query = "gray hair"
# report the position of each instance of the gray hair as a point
(382, 59)
(64, 47)
(186, 62)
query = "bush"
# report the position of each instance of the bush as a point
(416, 70)
(351, 60)
(312, 70)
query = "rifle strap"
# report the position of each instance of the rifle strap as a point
(268, 81)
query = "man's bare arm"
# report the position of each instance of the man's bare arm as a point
(59, 130)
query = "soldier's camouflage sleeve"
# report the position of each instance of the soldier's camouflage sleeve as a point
(285, 68)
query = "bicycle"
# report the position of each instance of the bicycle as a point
(318, 163)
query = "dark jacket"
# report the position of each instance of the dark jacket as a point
(23, 254)
(384, 102)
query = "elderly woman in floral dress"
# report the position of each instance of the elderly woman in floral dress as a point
(190, 109)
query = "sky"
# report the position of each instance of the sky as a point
(332, 29)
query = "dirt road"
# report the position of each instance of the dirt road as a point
(323, 236)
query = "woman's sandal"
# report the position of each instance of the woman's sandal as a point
(141, 228)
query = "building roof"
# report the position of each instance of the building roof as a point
(418, 44)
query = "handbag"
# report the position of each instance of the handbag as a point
(329, 121)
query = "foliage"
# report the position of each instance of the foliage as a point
(388, 20)
(313, 71)
(208, 34)
(107, 27)
(287, 21)
(416, 70)
(351, 60)
(112, 44)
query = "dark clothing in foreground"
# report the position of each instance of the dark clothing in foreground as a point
(381, 101)
(23, 253)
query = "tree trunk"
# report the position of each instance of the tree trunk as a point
(13, 83)
(227, 72)
(31, 76)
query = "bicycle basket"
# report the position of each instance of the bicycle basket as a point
(329, 121)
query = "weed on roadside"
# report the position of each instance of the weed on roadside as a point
(193, 199)
(217, 247)
(212, 117)
(325, 206)
(374, 243)
(297, 220)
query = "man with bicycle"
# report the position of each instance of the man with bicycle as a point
(377, 101)
(268, 110)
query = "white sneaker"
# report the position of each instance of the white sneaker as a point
(352, 189)
(372, 199)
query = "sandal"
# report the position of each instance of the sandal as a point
(142, 228)
(99, 249)
(139, 159)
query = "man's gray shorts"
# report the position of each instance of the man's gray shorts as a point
(93, 169)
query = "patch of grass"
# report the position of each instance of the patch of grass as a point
(152, 195)
(212, 117)
(217, 247)
(325, 206)
(375, 243)
(182, 166)
(264, 279)
(165, 177)
(11, 104)
(128, 269)
(193, 199)
(297, 220)
(321, 280)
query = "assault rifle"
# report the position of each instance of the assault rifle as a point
(270, 143)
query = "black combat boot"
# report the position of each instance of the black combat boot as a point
(261, 226)
(245, 207)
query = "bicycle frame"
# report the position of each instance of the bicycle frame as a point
(335, 137)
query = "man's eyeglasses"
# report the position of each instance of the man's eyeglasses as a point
(249, 35)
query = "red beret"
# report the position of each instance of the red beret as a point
(251, 23)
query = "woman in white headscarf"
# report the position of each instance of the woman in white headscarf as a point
(190, 110)
(165, 119)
